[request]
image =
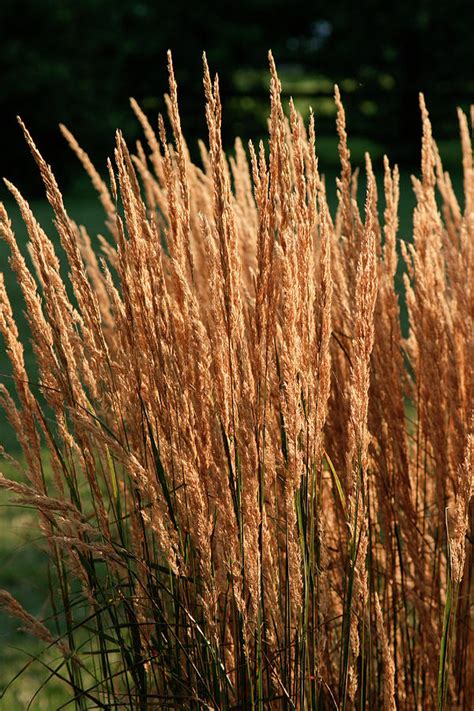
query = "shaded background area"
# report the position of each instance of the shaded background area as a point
(78, 62)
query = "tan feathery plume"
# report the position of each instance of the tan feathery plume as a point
(388, 665)
(182, 162)
(464, 493)
(30, 623)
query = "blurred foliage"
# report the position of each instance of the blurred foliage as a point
(78, 62)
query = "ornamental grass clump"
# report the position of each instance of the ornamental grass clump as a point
(261, 490)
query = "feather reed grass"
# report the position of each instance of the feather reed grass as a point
(261, 491)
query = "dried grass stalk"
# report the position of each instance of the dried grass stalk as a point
(261, 488)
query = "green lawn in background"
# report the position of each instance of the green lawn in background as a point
(24, 573)
(23, 562)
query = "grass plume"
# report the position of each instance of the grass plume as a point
(261, 490)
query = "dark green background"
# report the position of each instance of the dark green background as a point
(79, 61)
